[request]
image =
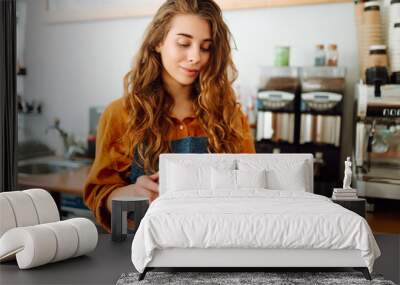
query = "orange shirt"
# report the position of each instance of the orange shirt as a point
(111, 167)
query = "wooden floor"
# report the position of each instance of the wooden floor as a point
(384, 222)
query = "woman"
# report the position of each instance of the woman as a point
(178, 98)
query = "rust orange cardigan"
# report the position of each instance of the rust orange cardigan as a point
(111, 167)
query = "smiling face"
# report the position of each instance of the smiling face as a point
(185, 50)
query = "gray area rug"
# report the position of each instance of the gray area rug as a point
(231, 278)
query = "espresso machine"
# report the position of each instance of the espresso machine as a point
(377, 142)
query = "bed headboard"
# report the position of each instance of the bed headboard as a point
(249, 161)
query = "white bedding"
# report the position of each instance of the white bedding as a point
(252, 218)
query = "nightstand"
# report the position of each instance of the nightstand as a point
(355, 205)
(119, 217)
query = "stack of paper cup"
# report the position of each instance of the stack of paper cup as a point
(371, 31)
(394, 13)
(395, 48)
(359, 13)
(385, 14)
(377, 56)
(394, 36)
(372, 24)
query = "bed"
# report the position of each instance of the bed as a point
(244, 211)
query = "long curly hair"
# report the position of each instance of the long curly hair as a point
(213, 98)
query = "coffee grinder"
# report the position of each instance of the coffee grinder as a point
(277, 105)
(321, 111)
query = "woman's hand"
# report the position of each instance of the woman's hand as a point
(145, 186)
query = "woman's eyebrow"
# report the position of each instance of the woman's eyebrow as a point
(191, 37)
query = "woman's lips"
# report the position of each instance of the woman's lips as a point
(190, 72)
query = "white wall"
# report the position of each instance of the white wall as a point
(73, 66)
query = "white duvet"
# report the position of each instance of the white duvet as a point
(253, 218)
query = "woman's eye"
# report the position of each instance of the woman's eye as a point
(183, 44)
(188, 45)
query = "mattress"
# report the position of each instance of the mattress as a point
(250, 219)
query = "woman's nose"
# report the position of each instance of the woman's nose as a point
(194, 55)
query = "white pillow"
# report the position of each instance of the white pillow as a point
(193, 174)
(292, 179)
(281, 173)
(251, 178)
(236, 179)
(181, 177)
(223, 179)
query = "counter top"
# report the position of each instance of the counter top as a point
(69, 181)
